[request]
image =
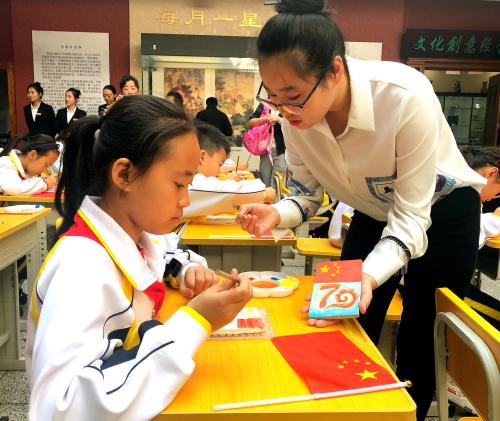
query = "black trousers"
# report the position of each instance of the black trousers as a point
(448, 262)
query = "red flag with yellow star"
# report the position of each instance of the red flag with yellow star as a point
(328, 362)
(339, 271)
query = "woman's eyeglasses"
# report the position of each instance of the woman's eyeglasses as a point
(289, 107)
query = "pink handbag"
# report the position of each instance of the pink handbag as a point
(259, 139)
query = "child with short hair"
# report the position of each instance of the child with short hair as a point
(20, 170)
(210, 195)
(98, 340)
(486, 162)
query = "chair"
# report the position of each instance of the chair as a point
(468, 348)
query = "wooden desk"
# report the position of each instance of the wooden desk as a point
(228, 246)
(29, 200)
(246, 369)
(20, 235)
(314, 247)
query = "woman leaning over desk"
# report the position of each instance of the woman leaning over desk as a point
(372, 134)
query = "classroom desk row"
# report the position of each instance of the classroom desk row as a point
(20, 235)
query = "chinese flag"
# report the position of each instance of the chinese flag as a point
(339, 271)
(328, 362)
(45, 194)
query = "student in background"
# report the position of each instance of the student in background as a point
(175, 98)
(207, 194)
(109, 96)
(21, 169)
(212, 115)
(98, 340)
(486, 162)
(39, 116)
(69, 113)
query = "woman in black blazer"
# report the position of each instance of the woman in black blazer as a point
(40, 117)
(69, 113)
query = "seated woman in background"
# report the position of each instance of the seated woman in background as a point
(69, 113)
(109, 96)
(486, 162)
(39, 116)
(20, 170)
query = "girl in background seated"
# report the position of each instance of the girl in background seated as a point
(98, 339)
(20, 170)
(486, 162)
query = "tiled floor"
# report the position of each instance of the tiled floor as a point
(14, 393)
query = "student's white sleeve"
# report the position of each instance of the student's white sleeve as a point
(307, 193)
(490, 227)
(12, 184)
(209, 195)
(178, 259)
(77, 373)
(409, 218)
(213, 184)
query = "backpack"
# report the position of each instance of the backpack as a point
(259, 139)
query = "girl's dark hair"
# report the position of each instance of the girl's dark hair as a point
(485, 156)
(137, 127)
(110, 88)
(37, 87)
(303, 32)
(76, 92)
(41, 143)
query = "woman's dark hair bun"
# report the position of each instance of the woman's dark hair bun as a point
(301, 7)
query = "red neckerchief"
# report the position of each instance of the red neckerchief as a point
(156, 291)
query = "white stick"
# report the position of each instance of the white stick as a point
(300, 398)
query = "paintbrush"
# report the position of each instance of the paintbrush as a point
(227, 276)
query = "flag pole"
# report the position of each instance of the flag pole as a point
(314, 396)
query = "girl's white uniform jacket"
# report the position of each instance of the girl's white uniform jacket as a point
(395, 158)
(490, 227)
(209, 195)
(13, 178)
(87, 303)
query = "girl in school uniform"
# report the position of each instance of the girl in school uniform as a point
(69, 113)
(20, 170)
(39, 116)
(99, 345)
(486, 162)
(373, 135)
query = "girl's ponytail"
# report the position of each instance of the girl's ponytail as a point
(78, 169)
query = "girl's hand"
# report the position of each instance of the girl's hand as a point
(196, 280)
(368, 284)
(257, 218)
(220, 303)
(51, 181)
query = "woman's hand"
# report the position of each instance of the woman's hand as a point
(368, 284)
(220, 303)
(197, 279)
(257, 218)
